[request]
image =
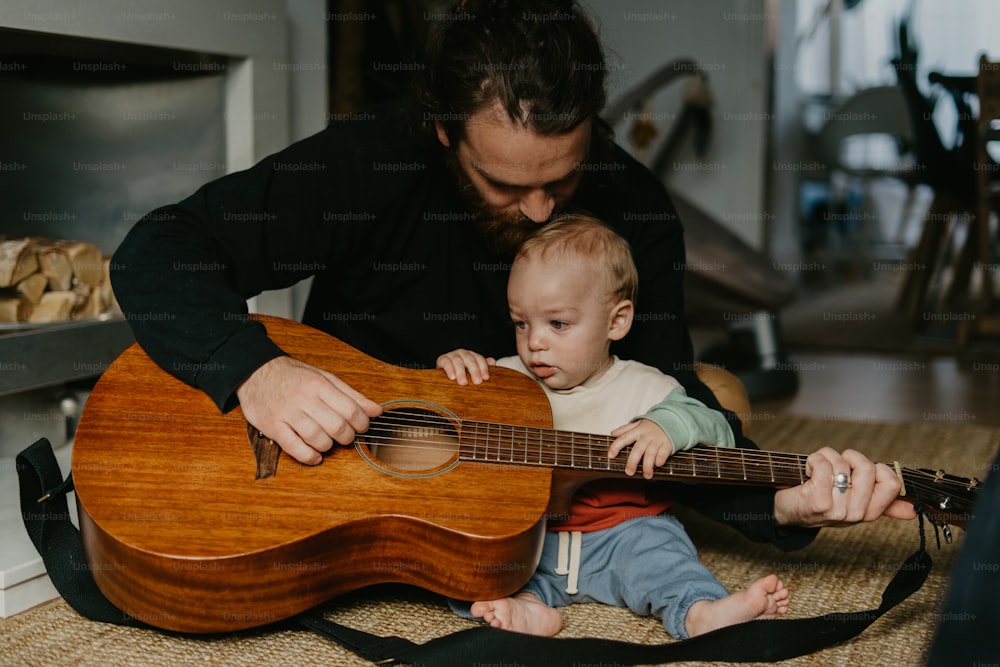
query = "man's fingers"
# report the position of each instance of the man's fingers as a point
(304, 409)
(293, 445)
(848, 488)
(339, 412)
(368, 406)
(900, 509)
(861, 484)
(885, 496)
(819, 468)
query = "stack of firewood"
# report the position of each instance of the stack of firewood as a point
(47, 280)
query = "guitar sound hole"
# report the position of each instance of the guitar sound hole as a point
(411, 439)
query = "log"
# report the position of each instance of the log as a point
(49, 280)
(54, 307)
(56, 267)
(107, 293)
(32, 287)
(92, 306)
(17, 261)
(14, 309)
(87, 261)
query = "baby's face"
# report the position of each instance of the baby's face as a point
(562, 315)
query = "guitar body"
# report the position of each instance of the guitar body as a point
(181, 533)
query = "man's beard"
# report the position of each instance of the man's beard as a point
(503, 231)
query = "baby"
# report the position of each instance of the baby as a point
(571, 292)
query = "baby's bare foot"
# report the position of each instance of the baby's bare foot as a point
(524, 612)
(765, 598)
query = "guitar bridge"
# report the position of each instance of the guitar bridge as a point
(265, 451)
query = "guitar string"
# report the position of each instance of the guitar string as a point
(552, 437)
(693, 460)
(709, 462)
(557, 438)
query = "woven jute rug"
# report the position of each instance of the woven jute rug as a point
(844, 570)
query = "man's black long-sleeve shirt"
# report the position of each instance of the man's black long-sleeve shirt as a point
(400, 270)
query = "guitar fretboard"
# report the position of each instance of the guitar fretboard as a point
(521, 445)
(510, 444)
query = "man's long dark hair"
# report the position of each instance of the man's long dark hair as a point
(541, 59)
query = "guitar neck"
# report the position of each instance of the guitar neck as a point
(488, 442)
(950, 498)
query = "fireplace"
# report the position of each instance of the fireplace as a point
(109, 112)
(93, 135)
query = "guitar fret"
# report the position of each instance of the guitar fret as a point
(559, 449)
(475, 442)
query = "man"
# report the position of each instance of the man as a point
(407, 218)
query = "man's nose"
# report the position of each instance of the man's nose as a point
(538, 205)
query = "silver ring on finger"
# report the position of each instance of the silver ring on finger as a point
(842, 481)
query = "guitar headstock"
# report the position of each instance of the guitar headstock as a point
(948, 499)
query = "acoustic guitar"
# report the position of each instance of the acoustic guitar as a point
(193, 521)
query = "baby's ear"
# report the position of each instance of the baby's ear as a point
(621, 319)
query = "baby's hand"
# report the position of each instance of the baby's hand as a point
(649, 444)
(458, 363)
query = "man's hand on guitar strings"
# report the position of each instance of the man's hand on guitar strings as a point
(464, 365)
(871, 491)
(304, 409)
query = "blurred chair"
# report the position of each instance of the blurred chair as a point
(956, 237)
(847, 143)
(987, 169)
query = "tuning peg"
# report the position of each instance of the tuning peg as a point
(946, 529)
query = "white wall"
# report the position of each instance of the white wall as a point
(729, 39)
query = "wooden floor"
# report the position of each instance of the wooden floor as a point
(891, 388)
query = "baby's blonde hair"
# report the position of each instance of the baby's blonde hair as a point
(586, 236)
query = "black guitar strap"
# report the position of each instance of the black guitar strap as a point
(47, 520)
